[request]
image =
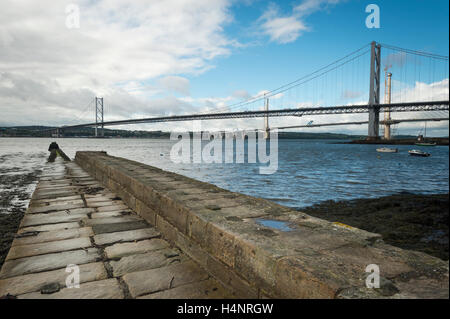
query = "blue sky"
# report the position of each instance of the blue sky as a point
(149, 58)
(421, 25)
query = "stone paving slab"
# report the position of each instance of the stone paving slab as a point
(34, 282)
(102, 289)
(126, 249)
(116, 213)
(110, 220)
(53, 235)
(119, 227)
(102, 204)
(48, 247)
(47, 262)
(102, 198)
(154, 280)
(68, 211)
(53, 195)
(55, 207)
(55, 192)
(206, 289)
(54, 200)
(50, 218)
(124, 236)
(100, 195)
(145, 261)
(49, 227)
(43, 203)
(111, 208)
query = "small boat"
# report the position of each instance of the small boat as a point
(418, 153)
(387, 150)
(426, 144)
(422, 139)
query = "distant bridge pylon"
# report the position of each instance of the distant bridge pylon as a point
(99, 119)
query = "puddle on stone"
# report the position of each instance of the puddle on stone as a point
(275, 224)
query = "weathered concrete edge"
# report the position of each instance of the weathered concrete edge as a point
(120, 183)
(262, 275)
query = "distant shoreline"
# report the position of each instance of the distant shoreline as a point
(443, 141)
(89, 132)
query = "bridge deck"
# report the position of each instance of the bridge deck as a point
(72, 219)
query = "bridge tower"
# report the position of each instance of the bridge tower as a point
(99, 116)
(387, 112)
(266, 118)
(374, 94)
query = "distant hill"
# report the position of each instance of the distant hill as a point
(37, 131)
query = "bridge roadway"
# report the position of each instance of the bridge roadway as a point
(393, 121)
(345, 109)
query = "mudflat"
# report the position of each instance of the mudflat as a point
(409, 221)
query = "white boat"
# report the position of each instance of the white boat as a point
(387, 150)
(418, 153)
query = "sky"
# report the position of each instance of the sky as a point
(150, 58)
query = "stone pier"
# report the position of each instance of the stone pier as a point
(73, 220)
(136, 231)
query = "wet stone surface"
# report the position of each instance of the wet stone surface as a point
(72, 220)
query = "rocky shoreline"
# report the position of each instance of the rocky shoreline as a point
(409, 221)
(16, 188)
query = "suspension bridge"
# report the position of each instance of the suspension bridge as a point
(414, 81)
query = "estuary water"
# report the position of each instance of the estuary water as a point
(309, 171)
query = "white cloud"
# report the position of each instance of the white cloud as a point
(287, 28)
(176, 84)
(436, 91)
(120, 47)
(281, 29)
(241, 94)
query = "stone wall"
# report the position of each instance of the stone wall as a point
(263, 250)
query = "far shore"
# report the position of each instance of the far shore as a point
(443, 141)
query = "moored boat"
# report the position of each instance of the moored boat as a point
(426, 144)
(387, 150)
(418, 153)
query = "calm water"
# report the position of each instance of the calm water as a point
(309, 171)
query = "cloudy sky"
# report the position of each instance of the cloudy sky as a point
(151, 58)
